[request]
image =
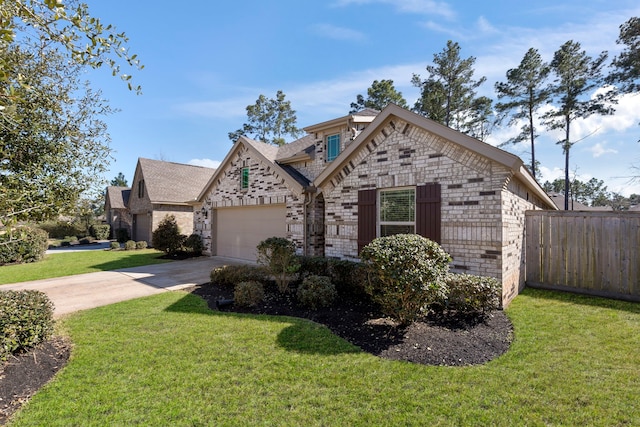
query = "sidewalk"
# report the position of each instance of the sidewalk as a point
(85, 291)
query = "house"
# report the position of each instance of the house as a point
(116, 209)
(574, 205)
(371, 174)
(164, 188)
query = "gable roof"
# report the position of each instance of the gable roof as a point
(575, 205)
(118, 197)
(173, 183)
(267, 153)
(511, 161)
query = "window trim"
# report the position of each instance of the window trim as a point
(141, 189)
(380, 223)
(332, 138)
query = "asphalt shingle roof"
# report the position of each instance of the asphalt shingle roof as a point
(173, 182)
(118, 196)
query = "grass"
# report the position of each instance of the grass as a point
(68, 264)
(168, 360)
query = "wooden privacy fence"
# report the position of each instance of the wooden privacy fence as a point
(596, 253)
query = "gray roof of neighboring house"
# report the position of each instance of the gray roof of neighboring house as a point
(574, 205)
(118, 196)
(168, 182)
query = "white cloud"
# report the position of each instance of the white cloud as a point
(208, 163)
(331, 31)
(485, 26)
(599, 149)
(420, 7)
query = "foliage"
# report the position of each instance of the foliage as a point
(407, 274)
(448, 95)
(129, 245)
(626, 65)
(349, 277)
(278, 255)
(114, 245)
(316, 291)
(590, 193)
(167, 237)
(23, 244)
(86, 240)
(141, 244)
(575, 88)
(26, 319)
(119, 181)
(100, 231)
(193, 245)
(525, 91)
(379, 95)
(312, 265)
(62, 229)
(122, 235)
(269, 120)
(248, 294)
(230, 275)
(467, 293)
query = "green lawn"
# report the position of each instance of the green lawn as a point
(68, 264)
(168, 360)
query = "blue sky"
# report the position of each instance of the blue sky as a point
(206, 61)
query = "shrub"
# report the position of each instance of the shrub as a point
(122, 235)
(62, 229)
(100, 231)
(115, 245)
(468, 293)
(312, 266)
(248, 294)
(278, 255)
(230, 275)
(406, 274)
(129, 245)
(167, 237)
(193, 245)
(26, 319)
(23, 244)
(349, 277)
(141, 244)
(86, 240)
(316, 292)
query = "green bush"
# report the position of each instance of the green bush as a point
(406, 274)
(167, 237)
(193, 245)
(312, 266)
(86, 240)
(230, 275)
(100, 231)
(26, 244)
(248, 294)
(62, 229)
(129, 245)
(316, 292)
(468, 293)
(141, 244)
(122, 235)
(349, 277)
(26, 319)
(278, 255)
(115, 245)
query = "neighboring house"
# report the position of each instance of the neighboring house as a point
(574, 205)
(164, 188)
(371, 174)
(116, 209)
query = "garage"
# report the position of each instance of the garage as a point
(141, 228)
(240, 229)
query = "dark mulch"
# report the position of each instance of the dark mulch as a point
(436, 340)
(23, 374)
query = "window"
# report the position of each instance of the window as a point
(245, 179)
(397, 212)
(333, 147)
(141, 189)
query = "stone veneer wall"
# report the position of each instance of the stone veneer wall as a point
(266, 187)
(474, 194)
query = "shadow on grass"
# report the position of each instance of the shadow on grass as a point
(300, 336)
(133, 260)
(588, 300)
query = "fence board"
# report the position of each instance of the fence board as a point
(590, 252)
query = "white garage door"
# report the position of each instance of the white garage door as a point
(239, 230)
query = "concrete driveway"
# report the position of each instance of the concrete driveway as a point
(84, 291)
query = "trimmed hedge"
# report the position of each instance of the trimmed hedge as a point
(141, 244)
(129, 245)
(248, 294)
(26, 319)
(407, 274)
(62, 229)
(28, 244)
(100, 231)
(230, 275)
(316, 291)
(468, 293)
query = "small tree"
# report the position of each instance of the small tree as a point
(167, 237)
(278, 255)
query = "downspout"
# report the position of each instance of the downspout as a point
(308, 199)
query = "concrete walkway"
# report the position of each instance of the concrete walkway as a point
(84, 291)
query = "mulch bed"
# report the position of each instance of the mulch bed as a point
(435, 340)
